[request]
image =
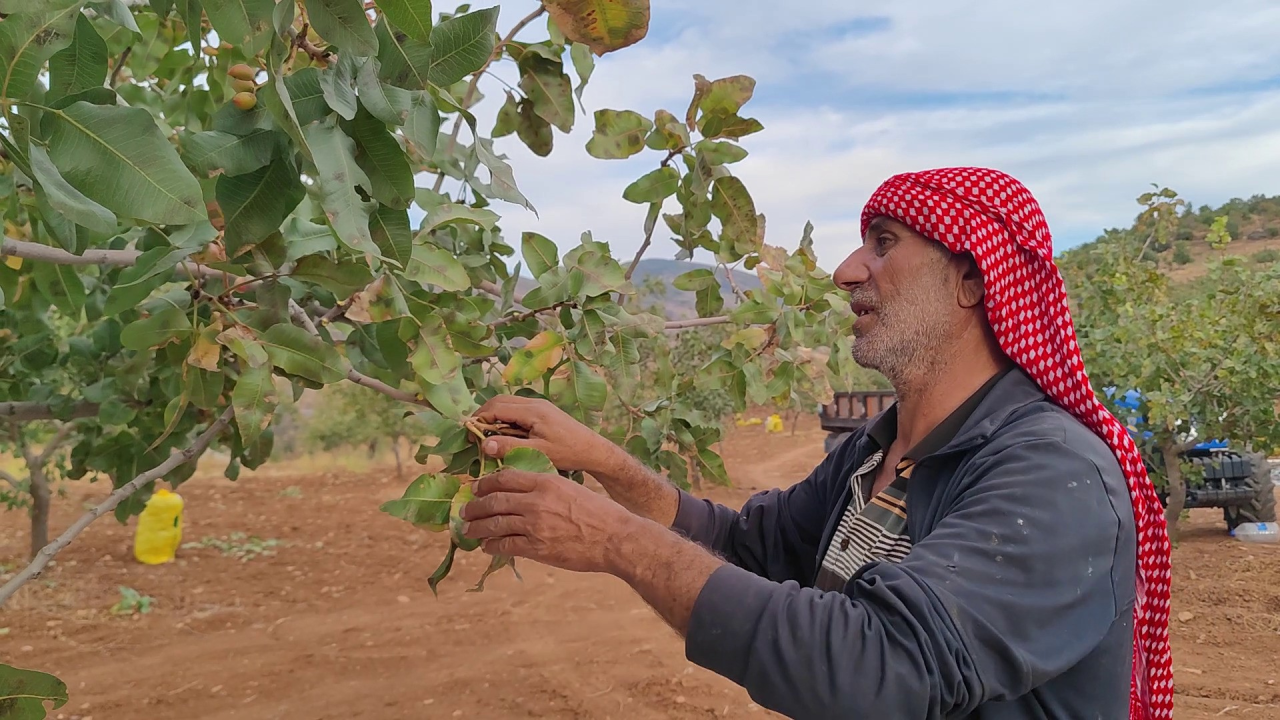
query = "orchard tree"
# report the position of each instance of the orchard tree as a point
(1205, 357)
(221, 196)
(349, 415)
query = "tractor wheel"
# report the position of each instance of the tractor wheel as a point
(1262, 508)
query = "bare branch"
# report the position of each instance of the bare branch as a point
(124, 57)
(696, 323)
(728, 273)
(21, 412)
(13, 481)
(176, 460)
(475, 82)
(106, 258)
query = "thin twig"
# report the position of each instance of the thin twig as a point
(644, 246)
(24, 412)
(696, 322)
(108, 258)
(521, 317)
(728, 273)
(124, 57)
(176, 460)
(475, 82)
(301, 42)
(64, 431)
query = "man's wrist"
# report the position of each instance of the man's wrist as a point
(623, 546)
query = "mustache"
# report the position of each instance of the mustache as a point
(864, 296)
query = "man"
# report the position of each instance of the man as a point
(990, 547)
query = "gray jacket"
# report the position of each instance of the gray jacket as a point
(1016, 600)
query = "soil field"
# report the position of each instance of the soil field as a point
(337, 620)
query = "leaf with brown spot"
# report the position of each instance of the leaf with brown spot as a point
(602, 25)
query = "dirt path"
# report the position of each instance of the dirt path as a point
(339, 622)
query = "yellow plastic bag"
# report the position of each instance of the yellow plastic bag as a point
(774, 425)
(159, 529)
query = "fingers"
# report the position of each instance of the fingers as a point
(514, 409)
(506, 480)
(499, 445)
(497, 526)
(511, 545)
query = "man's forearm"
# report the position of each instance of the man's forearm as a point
(639, 489)
(667, 571)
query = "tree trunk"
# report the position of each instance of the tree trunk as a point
(395, 448)
(1177, 487)
(373, 448)
(40, 501)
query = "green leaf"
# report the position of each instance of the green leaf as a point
(298, 352)
(62, 286)
(402, 61)
(720, 152)
(148, 272)
(307, 96)
(277, 99)
(241, 341)
(388, 103)
(247, 24)
(117, 157)
(203, 388)
(584, 64)
(668, 133)
(433, 265)
(167, 325)
(540, 253)
(502, 179)
(23, 693)
(720, 124)
(533, 130)
(582, 394)
(389, 228)
(600, 274)
(342, 279)
(254, 205)
(709, 302)
(411, 16)
(434, 361)
(461, 45)
(338, 85)
(338, 177)
(214, 152)
(117, 12)
(66, 199)
(383, 161)
(254, 399)
(191, 12)
(508, 117)
(425, 503)
(458, 214)
(29, 36)
(451, 398)
(442, 571)
(343, 23)
(732, 205)
(726, 95)
(529, 460)
(602, 25)
(549, 89)
(422, 127)
(618, 134)
(695, 280)
(654, 187)
(80, 66)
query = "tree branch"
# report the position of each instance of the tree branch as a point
(176, 460)
(64, 432)
(475, 82)
(696, 322)
(22, 412)
(301, 317)
(13, 481)
(106, 258)
(124, 57)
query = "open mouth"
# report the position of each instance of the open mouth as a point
(861, 309)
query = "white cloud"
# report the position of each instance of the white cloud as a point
(1087, 103)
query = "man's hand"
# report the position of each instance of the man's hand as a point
(548, 519)
(569, 444)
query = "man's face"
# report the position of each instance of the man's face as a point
(903, 287)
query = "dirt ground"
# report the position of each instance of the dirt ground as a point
(339, 621)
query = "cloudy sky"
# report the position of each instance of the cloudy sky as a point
(1088, 103)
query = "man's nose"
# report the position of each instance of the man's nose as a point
(852, 272)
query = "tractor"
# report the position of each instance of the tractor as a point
(1238, 482)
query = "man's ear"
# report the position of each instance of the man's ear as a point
(970, 291)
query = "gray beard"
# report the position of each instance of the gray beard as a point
(909, 342)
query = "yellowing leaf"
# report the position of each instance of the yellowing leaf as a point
(602, 25)
(538, 356)
(206, 350)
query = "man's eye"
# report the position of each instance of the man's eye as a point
(883, 242)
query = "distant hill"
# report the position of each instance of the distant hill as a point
(678, 304)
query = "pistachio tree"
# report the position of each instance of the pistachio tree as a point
(1204, 357)
(220, 195)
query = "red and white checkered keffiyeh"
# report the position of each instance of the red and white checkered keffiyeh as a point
(995, 218)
